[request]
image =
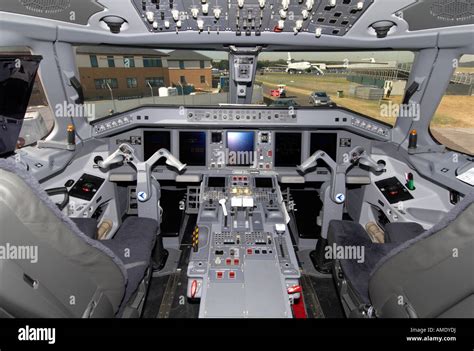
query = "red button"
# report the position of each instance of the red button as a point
(232, 275)
(228, 261)
(270, 153)
(249, 251)
(236, 261)
(220, 275)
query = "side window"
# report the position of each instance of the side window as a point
(39, 118)
(453, 123)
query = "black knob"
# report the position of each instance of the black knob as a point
(97, 159)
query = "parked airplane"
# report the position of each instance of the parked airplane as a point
(302, 66)
(321, 67)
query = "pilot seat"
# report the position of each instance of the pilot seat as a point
(74, 275)
(401, 278)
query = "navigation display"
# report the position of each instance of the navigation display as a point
(263, 183)
(325, 142)
(216, 182)
(155, 140)
(192, 148)
(241, 148)
(287, 149)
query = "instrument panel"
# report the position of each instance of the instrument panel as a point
(241, 117)
(238, 149)
(208, 146)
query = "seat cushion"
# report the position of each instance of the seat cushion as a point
(86, 225)
(346, 233)
(133, 244)
(401, 232)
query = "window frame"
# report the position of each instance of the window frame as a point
(132, 86)
(149, 61)
(430, 132)
(159, 79)
(111, 60)
(103, 86)
(94, 61)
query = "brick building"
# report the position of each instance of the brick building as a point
(134, 72)
(188, 67)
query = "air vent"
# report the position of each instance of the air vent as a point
(452, 10)
(438, 14)
(46, 6)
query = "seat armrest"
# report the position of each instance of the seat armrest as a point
(401, 232)
(347, 233)
(86, 225)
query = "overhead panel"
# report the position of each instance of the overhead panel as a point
(252, 17)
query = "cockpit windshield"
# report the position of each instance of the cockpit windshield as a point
(117, 79)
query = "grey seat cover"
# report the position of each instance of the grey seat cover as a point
(432, 274)
(29, 217)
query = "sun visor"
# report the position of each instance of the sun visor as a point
(17, 76)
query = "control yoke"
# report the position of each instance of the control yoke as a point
(125, 153)
(338, 171)
(358, 154)
(310, 162)
(170, 159)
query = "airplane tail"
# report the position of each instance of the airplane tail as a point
(290, 60)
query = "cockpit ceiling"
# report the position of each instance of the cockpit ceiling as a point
(274, 24)
(439, 13)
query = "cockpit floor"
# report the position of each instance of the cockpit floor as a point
(167, 294)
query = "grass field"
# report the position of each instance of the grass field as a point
(453, 122)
